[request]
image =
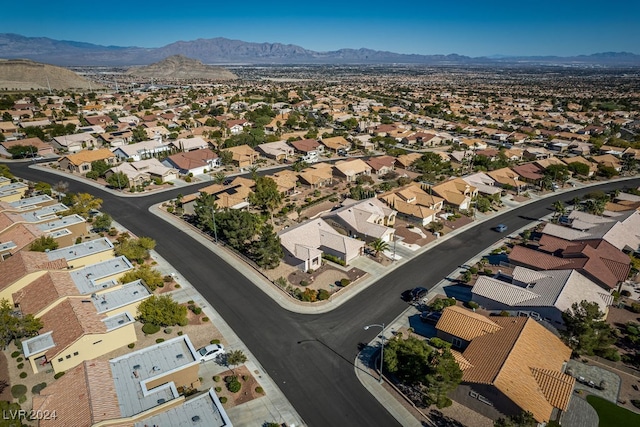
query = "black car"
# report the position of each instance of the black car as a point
(415, 294)
(431, 317)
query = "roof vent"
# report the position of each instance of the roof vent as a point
(136, 367)
(104, 286)
(103, 302)
(161, 401)
(195, 418)
(180, 356)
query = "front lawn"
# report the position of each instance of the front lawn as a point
(612, 415)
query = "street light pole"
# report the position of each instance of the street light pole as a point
(381, 326)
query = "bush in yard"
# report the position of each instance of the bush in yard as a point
(259, 390)
(323, 294)
(214, 342)
(150, 329)
(304, 283)
(58, 375)
(344, 282)
(162, 311)
(23, 375)
(20, 365)
(218, 389)
(19, 359)
(473, 270)
(15, 354)
(635, 307)
(22, 399)
(234, 386)
(131, 345)
(223, 399)
(159, 340)
(36, 389)
(472, 305)
(167, 330)
(216, 378)
(18, 390)
(205, 319)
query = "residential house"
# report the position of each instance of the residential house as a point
(243, 155)
(308, 147)
(305, 244)
(608, 160)
(369, 219)
(99, 120)
(236, 126)
(75, 142)
(509, 364)
(364, 142)
(456, 192)
(286, 181)
(189, 144)
(316, 176)
(414, 203)
(508, 179)
(232, 196)
(278, 150)
(142, 171)
(529, 173)
(536, 153)
(351, 169)
(195, 162)
(141, 150)
(81, 162)
(422, 139)
(39, 148)
(12, 191)
(144, 387)
(473, 144)
(156, 133)
(542, 294)
(405, 161)
(593, 168)
(381, 165)
(483, 182)
(336, 143)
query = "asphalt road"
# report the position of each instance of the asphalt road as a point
(309, 356)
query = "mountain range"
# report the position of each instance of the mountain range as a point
(225, 51)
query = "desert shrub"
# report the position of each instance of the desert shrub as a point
(234, 386)
(466, 276)
(304, 283)
(197, 310)
(159, 340)
(18, 390)
(36, 389)
(218, 389)
(180, 333)
(216, 378)
(177, 286)
(15, 354)
(22, 399)
(259, 390)
(131, 345)
(504, 313)
(223, 399)
(472, 305)
(19, 359)
(23, 375)
(20, 365)
(473, 270)
(439, 343)
(487, 272)
(245, 377)
(323, 294)
(150, 328)
(58, 375)
(344, 282)
(167, 330)
(205, 319)
(214, 341)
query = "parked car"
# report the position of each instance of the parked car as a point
(415, 294)
(500, 228)
(210, 352)
(430, 317)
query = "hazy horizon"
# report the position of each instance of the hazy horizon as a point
(470, 28)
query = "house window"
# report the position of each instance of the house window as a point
(85, 167)
(456, 342)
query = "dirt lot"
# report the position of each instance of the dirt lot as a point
(247, 392)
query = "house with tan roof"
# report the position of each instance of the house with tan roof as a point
(139, 388)
(382, 165)
(277, 150)
(142, 171)
(593, 167)
(232, 196)
(81, 161)
(39, 148)
(305, 244)
(336, 143)
(508, 179)
(350, 170)
(509, 364)
(414, 203)
(286, 181)
(608, 160)
(309, 147)
(316, 176)
(405, 161)
(368, 219)
(242, 155)
(189, 144)
(75, 142)
(456, 192)
(544, 294)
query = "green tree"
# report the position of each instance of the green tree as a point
(22, 151)
(43, 243)
(579, 168)
(267, 250)
(586, 331)
(558, 173)
(162, 310)
(433, 372)
(219, 178)
(226, 157)
(607, 171)
(523, 419)
(83, 203)
(14, 326)
(7, 117)
(135, 249)
(100, 167)
(139, 134)
(42, 188)
(118, 180)
(266, 195)
(559, 209)
(237, 226)
(152, 277)
(379, 245)
(235, 358)
(483, 204)
(102, 222)
(6, 172)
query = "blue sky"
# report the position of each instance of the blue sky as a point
(473, 28)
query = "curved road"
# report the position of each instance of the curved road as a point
(310, 357)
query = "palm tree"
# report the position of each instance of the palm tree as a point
(379, 245)
(558, 210)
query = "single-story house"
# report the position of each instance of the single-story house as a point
(195, 162)
(81, 162)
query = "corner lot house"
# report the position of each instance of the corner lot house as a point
(509, 364)
(195, 162)
(304, 244)
(369, 219)
(81, 162)
(75, 142)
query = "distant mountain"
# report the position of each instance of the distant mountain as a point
(182, 68)
(224, 51)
